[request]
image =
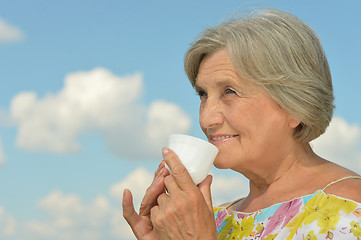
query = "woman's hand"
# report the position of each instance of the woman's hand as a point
(140, 223)
(186, 211)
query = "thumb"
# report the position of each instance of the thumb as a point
(129, 212)
(205, 188)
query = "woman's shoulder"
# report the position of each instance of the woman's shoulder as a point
(229, 205)
(347, 186)
(337, 180)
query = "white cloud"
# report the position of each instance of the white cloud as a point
(137, 182)
(70, 218)
(67, 217)
(7, 224)
(96, 101)
(9, 33)
(227, 189)
(56, 203)
(120, 228)
(2, 155)
(340, 144)
(137, 140)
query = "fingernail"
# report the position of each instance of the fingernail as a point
(165, 150)
(159, 178)
(160, 172)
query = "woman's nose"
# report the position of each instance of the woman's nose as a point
(210, 114)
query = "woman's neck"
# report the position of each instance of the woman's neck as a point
(291, 177)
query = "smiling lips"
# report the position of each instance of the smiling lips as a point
(220, 139)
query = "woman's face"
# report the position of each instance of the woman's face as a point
(249, 128)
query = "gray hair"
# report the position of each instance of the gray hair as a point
(281, 53)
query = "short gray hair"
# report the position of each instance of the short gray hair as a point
(281, 53)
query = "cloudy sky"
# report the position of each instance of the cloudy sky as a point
(90, 90)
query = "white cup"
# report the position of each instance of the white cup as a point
(196, 155)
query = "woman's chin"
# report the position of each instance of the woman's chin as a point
(220, 164)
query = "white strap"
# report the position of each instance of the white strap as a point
(232, 203)
(341, 179)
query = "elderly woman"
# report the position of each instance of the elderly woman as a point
(265, 91)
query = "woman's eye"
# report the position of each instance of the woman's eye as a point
(230, 91)
(201, 93)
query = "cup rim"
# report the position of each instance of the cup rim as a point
(190, 139)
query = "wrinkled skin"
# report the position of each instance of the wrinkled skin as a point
(184, 212)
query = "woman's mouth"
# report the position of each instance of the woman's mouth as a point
(221, 138)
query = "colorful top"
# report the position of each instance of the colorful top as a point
(311, 217)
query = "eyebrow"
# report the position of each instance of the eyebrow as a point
(220, 82)
(197, 88)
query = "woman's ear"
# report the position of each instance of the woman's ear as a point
(293, 122)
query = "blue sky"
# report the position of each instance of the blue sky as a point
(91, 89)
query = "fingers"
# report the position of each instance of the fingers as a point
(165, 219)
(180, 173)
(158, 223)
(205, 188)
(129, 212)
(140, 225)
(171, 185)
(152, 193)
(160, 168)
(162, 199)
(184, 214)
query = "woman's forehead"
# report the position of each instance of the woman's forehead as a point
(217, 65)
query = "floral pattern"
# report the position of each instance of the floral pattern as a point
(316, 216)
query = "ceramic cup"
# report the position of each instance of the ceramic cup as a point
(196, 155)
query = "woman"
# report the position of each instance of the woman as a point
(266, 92)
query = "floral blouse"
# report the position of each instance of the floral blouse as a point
(311, 217)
